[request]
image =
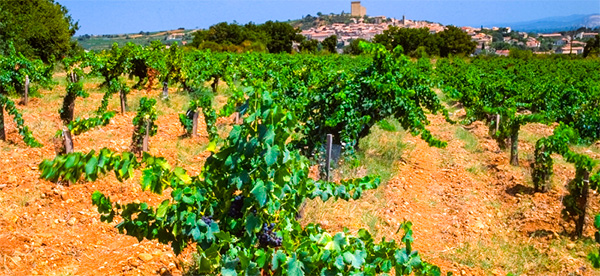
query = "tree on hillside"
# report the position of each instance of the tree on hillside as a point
(309, 46)
(277, 37)
(37, 28)
(353, 48)
(254, 33)
(409, 39)
(224, 33)
(198, 38)
(330, 44)
(281, 36)
(455, 41)
(592, 47)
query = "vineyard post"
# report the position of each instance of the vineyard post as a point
(215, 84)
(2, 132)
(146, 136)
(26, 92)
(582, 203)
(514, 145)
(122, 96)
(497, 123)
(328, 160)
(545, 177)
(237, 118)
(69, 101)
(165, 92)
(195, 123)
(67, 140)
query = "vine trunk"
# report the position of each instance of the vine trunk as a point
(165, 92)
(215, 84)
(514, 146)
(2, 132)
(582, 202)
(123, 101)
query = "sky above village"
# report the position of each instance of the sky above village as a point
(132, 16)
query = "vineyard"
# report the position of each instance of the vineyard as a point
(155, 160)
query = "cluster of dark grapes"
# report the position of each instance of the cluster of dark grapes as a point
(208, 219)
(235, 211)
(267, 238)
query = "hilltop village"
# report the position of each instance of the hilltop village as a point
(496, 40)
(348, 27)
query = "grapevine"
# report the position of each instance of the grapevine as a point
(81, 125)
(74, 90)
(210, 117)
(13, 69)
(240, 212)
(258, 169)
(111, 65)
(9, 106)
(575, 203)
(144, 122)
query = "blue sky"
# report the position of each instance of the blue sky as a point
(132, 16)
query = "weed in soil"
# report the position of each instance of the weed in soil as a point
(378, 154)
(469, 139)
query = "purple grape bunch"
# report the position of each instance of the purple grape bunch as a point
(268, 238)
(235, 211)
(207, 219)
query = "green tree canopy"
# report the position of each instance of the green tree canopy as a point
(410, 39)
(277, 36)
(309, 46)
(353, 48)
(281, 36)
(37, 28)
(330, 44)
(455, 41)
(592, 47)
(224, 33)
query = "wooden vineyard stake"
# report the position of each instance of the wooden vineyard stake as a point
(67, 140)
(238, 120)
(195, 124)
(2, 132)
(582, 203)
(122, 96)
(328, 160)
(146, 137)
(73, 77)
(497, 122)
(26, 92)
(165, 92)
(215, 84)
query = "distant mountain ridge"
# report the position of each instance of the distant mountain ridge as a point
(556, 24)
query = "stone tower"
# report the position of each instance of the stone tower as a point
(358, 9)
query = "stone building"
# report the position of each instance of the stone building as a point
(358, 9)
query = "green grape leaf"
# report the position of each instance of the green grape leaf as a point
(260, 192)
(295, 267)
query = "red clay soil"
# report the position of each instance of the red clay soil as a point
(492, 214)
(53, 229)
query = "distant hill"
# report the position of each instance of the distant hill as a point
(103, 42)
(183, 36)
(556, 24)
